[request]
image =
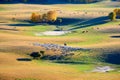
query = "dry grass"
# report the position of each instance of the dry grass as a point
(23, 11)
(12, 69)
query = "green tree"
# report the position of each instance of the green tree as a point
(112, 16)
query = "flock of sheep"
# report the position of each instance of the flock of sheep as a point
(64, 49)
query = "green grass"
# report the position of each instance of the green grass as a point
(39, 28)
(92, 37)
(42, 28)
(1, 9)
(85, 7)
(78, 67)
(83, 67)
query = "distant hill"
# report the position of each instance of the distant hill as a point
(53, 1)
(49, 1)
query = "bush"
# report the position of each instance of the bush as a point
(112, 16)
(35, 55)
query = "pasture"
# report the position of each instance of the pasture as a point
(89, 27)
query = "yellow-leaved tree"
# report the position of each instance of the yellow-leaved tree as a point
(36, 17)
(52, 16)
(44, 18)
(117, 11)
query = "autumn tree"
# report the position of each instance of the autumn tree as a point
(117, 11)
(36, 17)
(114, 14)
(52, 16)
(44, 17)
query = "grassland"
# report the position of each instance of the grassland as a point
(17, 38)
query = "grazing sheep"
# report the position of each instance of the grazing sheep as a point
(97, 27)
(86, 31)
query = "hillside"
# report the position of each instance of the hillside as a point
(83, 26)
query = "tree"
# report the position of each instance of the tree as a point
(33, 17)
(52, 16)
(36, 17)
(35, 55)
(44, 18)
(117, 11)
(112, 16)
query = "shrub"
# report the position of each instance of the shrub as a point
(35, 55)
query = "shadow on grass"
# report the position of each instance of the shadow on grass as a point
(23, 25)
(24, 59)
(62, 59)
(91, 22)
(112, 57)
(65, 22)
(8, 29)
(115, 36)
(69, 62)
(77, 23)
